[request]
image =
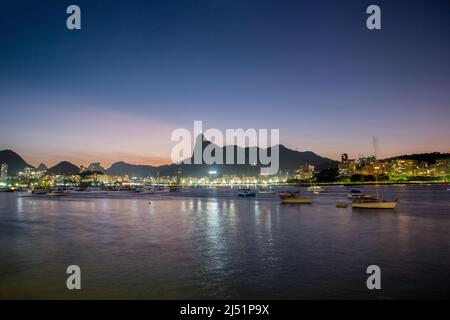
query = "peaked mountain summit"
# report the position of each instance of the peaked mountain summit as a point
(14, 161)
(64, 168)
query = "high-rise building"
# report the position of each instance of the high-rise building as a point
(179, 174)
(4, 172)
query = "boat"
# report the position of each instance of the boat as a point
(266, 190)
(373, 203)
(246, 193)
(149, 190)
(288, 194)
(39, 190)
(93, 189)
(175, 188)
(57, 192)
(316, 189)
(297, 200)
(357, 194)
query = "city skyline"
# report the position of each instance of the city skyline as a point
(117, 88)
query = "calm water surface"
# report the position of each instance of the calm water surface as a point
(212, 244)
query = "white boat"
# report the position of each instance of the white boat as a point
(374, 204)
(316, 189)
(357, 194)
(266, 190)
(39, 190)
(57, 193)
(148, 190)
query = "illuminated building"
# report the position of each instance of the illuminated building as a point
(305, 172)
(348, 168)
(441, 168)
(4, 172)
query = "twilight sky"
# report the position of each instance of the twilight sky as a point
(137, 70)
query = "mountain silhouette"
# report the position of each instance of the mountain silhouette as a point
(42, 167)
(289, 159)
(14, 161)
(132, 170)
(64, 168)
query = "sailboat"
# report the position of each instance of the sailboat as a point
(316, 189)
(374, 202)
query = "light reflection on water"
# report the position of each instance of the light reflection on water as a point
(211, 244)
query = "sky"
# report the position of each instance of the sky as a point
(137, 70)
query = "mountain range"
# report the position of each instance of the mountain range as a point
(289, 161)
(14, 161)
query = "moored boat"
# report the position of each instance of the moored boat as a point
(297, 200)
(148, 190)
(288, 194)
(357, 194)
(374, 203)
(175, 188)
(246, 193)
(39, 190)
(316, 189)
(266, 190)
(57, 193)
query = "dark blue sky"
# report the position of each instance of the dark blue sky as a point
(139, 69)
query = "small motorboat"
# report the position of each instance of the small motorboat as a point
(39, 190)
(357, 194)
(57, 193)
(373, 203)
(316, 189)
(246, 193)
(148, 190)
(266, 190)
(288, 194)
(297, 200)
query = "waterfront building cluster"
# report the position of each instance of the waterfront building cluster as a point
(85, 179)
(363, 169)
(393, 168)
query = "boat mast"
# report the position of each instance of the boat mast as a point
(375, 153)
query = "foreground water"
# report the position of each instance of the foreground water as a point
(211, 244)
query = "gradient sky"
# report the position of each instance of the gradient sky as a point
(137, 70)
